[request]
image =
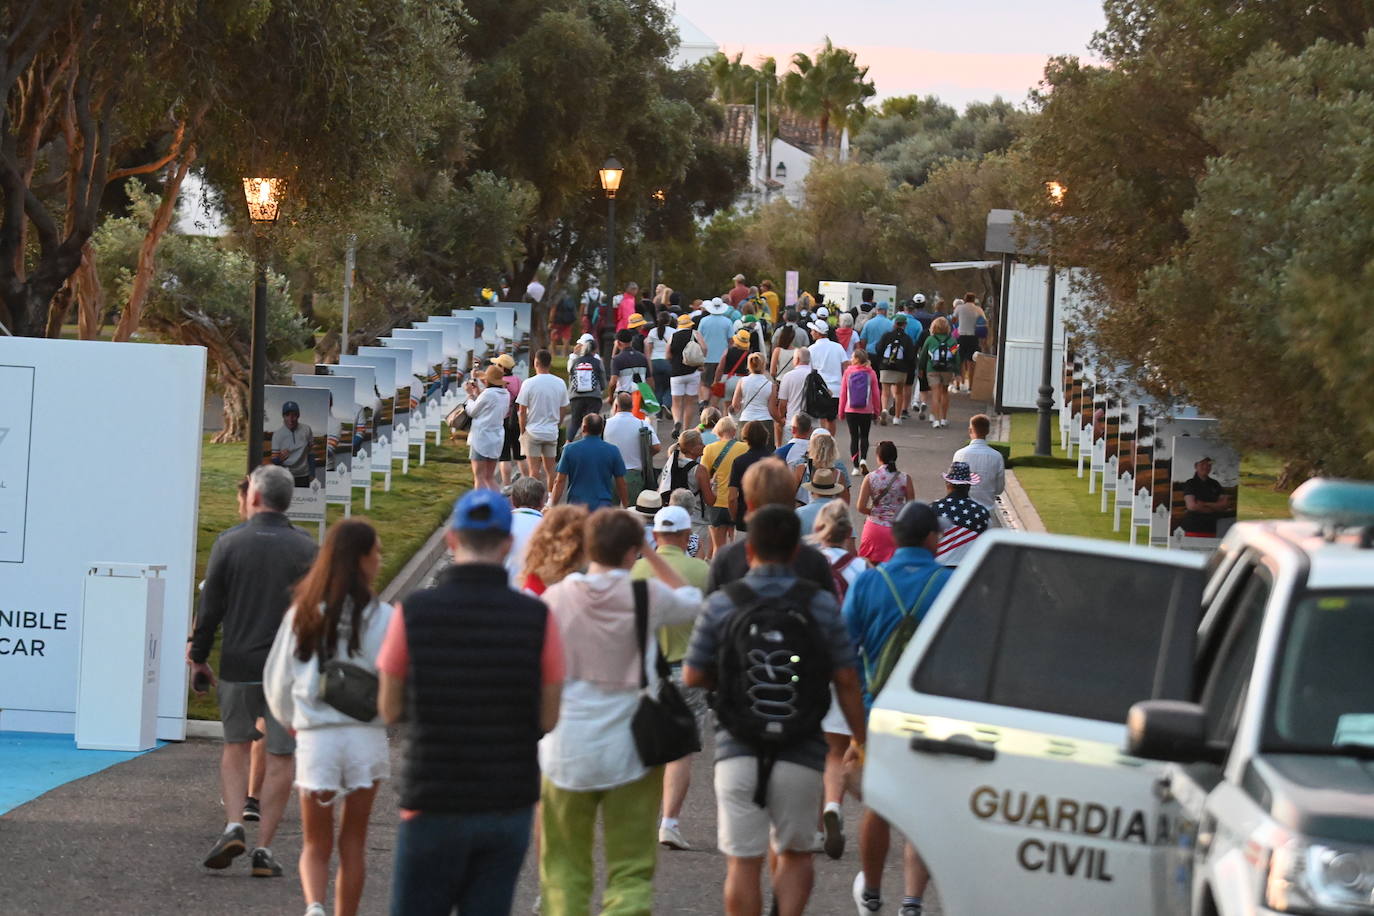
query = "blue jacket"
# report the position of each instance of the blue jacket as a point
(871, 613)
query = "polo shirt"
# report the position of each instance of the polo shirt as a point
(808, 512)
(873, 331)
(622, 431)
(592, 465)
(870, 610)
(543, 396)
(673, 639)
(715, 330)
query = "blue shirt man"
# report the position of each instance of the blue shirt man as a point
(716, 329)
(876, 327)
(591, 472)
(873, 608)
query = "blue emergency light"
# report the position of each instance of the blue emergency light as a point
(1334, 503)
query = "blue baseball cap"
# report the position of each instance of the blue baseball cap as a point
(290, 407)
(481, 510)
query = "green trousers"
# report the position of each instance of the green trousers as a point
(567, 872)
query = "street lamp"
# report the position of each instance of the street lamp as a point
(611, 172)
(263, 196)
(1045, 401)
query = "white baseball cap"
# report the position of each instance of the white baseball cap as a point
(919, 298)
(822, 312)
(586, 338)
(672, 519)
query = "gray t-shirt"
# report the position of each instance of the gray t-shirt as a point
(710, 631)
(966, 318)
(296, 444)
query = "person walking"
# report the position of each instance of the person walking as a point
(986, 463)
(783, 358)
(628, 306)
(586, 384)
(897, 359)
(759, 439)
(845, 334)
(772, 791)
(629, 366)
(768, 483)
(733, 367)
(543, 403)
(341, 759)
(824, 487)
(562, 319)
(528, 496)
(876, 326)
(834, 536)
(756, 397)
(940, 363)
(511, 456)
(968, 314)
(738, 293)
(476, 669)
(590, 762)
(715, 330)
(630, 434)
(719, 458)
(859, 400)
(827, 361)
(792, 387)
(683, 470)
(881, 497)
(822, 452)
(248, 581)
(875, 606)
(555, 548)
(487, 404)
(591, 471)
(672, 529)
(771, 300)
(659, 342)
(962, 519)
(684, 384)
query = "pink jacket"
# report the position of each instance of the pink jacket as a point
(624, 311)
(873, 398)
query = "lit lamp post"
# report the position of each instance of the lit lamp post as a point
(611, 172)
(1045, 402)
(263, 196)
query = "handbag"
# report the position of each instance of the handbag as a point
(458, 419)
(350, 688)
(718, 387)
(663, 726)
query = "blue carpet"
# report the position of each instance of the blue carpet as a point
(32, 763)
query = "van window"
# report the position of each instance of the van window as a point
(1060, 631)
(1225, 685)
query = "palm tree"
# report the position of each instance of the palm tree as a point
(831, 88)
(733, 82)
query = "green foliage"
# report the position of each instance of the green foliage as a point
(911, 135)
(831, 87)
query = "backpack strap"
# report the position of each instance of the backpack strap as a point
(640, 588)
(838, 566)
(721, 457)
(907, 610)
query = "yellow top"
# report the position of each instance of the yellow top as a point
(720, 479)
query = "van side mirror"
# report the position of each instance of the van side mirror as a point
(1170, 730)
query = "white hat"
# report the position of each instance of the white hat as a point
(919, 298)
(716, 307)
(820, 327)
(672, 519)
(822, 312)
(586, 338)
(649, 502)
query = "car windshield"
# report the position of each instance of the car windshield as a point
(1324, 696)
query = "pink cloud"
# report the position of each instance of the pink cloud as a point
(955, 76)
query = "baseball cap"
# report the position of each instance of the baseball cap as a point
(586, 338)
(505, 361)
(739, 278)
(290, 407)
(919, 298)
(820, 327)
(822, 312)
(672, 519)
(481, 510)
(914, 523)
(881, 306)
(900, 319)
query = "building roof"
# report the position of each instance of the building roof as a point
(690, 36)
(739, 123)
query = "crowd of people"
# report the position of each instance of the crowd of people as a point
(606, 607)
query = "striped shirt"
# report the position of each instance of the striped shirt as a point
(962, 520)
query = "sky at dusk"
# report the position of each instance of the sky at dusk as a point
(961, 51)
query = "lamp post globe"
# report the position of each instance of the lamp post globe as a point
(263, 197)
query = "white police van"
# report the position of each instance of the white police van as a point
(1244, 783)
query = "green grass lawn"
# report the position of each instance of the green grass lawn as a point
(405, 518)
(1065, 506)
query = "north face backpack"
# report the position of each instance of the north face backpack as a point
(858, 389)
(772, 674)
(941, 355)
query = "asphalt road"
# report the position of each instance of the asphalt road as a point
(129, 840)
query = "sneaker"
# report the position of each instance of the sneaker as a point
(227, 848)
(251, 811)
(882, 418)
(677, 431)
(834, 833)
(265, 865)
(896, 421)
(934, 423)
(862, 900)
(863, 466)
(316, 909)
(922, 410)
(910, 909)
(672, 838)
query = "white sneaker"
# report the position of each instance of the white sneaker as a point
(672, 838)
(882, 418)
(863, 466)
(923, 410)
(315, 909)
(896, 421)
(864, 904)
(934, 423)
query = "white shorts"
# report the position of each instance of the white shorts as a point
(685, 385)
(795, 794)
(341, 758)
(834, 722)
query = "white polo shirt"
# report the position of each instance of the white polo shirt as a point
(622, 431)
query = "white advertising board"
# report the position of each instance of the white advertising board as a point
(342, 433)
(393, 374)
(121, 487)
(411, 354)
(793, 288)
(299, 445)
(374, 455)
(431, 394)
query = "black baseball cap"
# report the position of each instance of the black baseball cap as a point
(290, 407)
(916, 522)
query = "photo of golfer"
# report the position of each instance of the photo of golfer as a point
(295, 427)
(1205, 484)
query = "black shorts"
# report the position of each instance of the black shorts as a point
(968, 345)
(925, 381)
(718, 517)
(827, 411)
(510, 449)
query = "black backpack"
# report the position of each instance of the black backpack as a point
(565, 312)
(816, 397)
(773, 674)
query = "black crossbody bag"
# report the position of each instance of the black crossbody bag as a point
(663, 726)
(348, 687)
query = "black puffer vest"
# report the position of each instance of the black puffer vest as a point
(472, 694)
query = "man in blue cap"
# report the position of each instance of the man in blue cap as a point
(476, 670)
(291, 445)
(875, 328)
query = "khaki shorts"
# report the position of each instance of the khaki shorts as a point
(795, 794)
(892, 377)
(940, 378)
(540, 448)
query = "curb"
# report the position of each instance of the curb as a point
(1018, 507)
(414, 572)
(204, 728)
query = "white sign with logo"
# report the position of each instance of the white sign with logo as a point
(119, 487)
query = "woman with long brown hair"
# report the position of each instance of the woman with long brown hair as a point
(554, 549)
(340, 759)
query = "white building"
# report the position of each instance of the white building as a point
(694, 45)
